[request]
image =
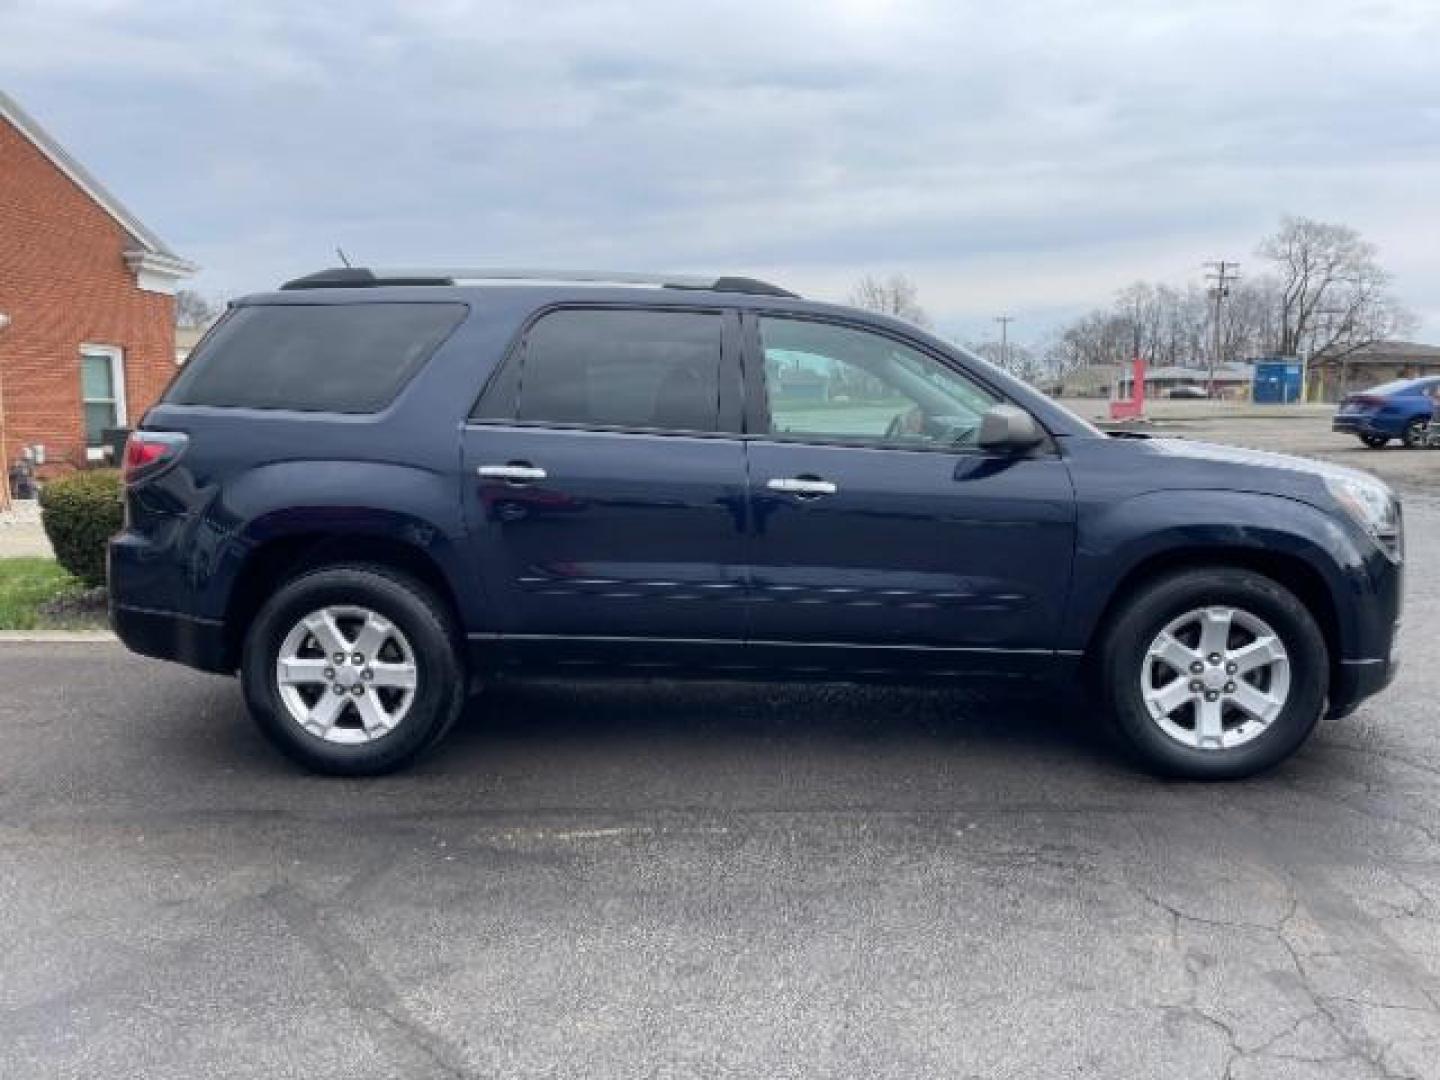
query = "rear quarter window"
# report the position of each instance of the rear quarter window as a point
(348, 358)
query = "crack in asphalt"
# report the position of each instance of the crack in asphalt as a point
(1360, 1042)
(366, 991)
(1429, 832)
(1381, 755)
(1362, 1047)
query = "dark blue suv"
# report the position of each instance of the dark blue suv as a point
(370, 491)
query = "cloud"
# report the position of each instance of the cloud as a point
(1027, 156)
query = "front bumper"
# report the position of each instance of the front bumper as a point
(1356, 680)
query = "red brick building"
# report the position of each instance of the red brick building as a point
(89, 292)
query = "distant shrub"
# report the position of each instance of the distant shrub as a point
(80, 512)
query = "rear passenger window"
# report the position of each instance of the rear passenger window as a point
(348, 358)
(626, 369)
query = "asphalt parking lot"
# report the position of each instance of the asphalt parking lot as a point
(665, 880)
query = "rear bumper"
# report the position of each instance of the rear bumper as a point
(1360, 424)
(147, 585)
(167, 635)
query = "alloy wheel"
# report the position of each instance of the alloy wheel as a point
(1215, 678)
(346, 674)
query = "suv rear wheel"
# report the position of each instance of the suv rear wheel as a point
(353, 670)
(1214, 674)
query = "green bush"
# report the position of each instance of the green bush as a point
(80, 513)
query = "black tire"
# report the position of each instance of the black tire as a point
(1414, 433)
(1374, 442)
(1122, 658)
(440, 676)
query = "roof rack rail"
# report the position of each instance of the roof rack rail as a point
(361, 277)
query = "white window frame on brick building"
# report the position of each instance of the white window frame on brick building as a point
(94, 448)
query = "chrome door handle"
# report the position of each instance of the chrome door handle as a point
(521, 474)
(802, 485)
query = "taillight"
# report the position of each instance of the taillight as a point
(151, 452)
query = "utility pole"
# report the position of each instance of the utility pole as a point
(1222, 273)
(1005, 321)
(1307, 354)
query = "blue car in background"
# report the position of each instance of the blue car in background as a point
(1395, 410)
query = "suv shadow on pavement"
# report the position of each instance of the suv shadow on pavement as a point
(561, 732)
(566, 734)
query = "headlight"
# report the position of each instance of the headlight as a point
(1374, 507)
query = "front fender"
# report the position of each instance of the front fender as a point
(1114, 540)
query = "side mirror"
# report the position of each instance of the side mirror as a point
(1009, 430)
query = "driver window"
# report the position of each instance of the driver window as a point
(838, 384)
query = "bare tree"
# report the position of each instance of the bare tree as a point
(1102, 337)
(1333, 295)
(1328, 295)
(896, 295)
(1019, 360)
(1250, 320)
(193, 310)
(1166, 324)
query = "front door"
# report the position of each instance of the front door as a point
(605, 500)
(882, 535)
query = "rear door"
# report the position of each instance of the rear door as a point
(883, 535)
(604, 483)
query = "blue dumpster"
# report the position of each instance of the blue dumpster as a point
(1277, 381)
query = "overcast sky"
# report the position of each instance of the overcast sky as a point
(1017, 157)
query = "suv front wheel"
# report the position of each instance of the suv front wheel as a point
(353, 670)
(1214, 674)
